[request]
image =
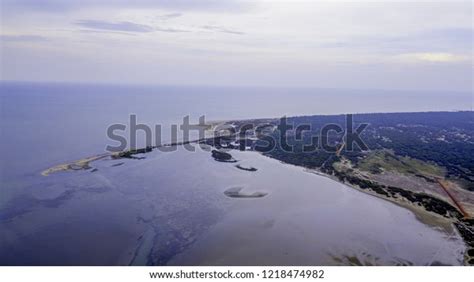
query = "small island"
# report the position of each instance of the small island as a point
(236, 192)
(222, 157)
(245, 168)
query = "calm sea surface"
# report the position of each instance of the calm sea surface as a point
(169, 208)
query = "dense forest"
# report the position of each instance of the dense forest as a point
(442, 138)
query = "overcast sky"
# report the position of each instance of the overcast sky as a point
(401, 45)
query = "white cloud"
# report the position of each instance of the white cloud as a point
(434, 57)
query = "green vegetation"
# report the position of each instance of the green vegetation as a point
(384, 160)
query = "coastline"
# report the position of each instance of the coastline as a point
(447, 222)
(421, 214)
(433, 219)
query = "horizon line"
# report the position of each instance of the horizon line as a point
(308, 87)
